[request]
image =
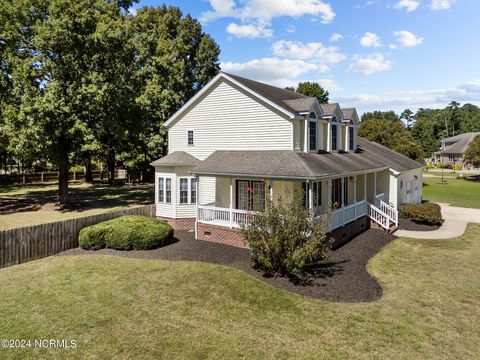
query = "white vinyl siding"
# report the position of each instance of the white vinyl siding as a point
(207, 190)
(229, 119)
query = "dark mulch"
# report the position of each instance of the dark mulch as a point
(409, 224)
(342, 277)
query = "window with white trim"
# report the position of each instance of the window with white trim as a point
(188, 191)
(451, 157)
(334, 136)
(350, 137)
(164, 190)
(190, 137)
(312, 127)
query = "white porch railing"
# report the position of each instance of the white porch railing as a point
(348, 213)
(232, 218)
(391, 212)
(378, 216)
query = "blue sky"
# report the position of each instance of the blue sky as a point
(370, 54)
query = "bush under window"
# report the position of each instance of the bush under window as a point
(427, 213)
(126, 233)
(285, 240)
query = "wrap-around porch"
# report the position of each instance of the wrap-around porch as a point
(230, 201)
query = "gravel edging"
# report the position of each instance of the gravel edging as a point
(342, 277)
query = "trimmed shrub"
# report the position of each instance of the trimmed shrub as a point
(127, 233)
(427, 213)
(284, 240)
(457, 167)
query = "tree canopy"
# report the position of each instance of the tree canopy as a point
(85, 79)
(387, 129)
(472, 155)
(312, 89)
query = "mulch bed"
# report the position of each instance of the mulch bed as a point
(342, 277)
(409, 224)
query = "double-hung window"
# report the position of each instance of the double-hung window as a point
(183, 191)
(334, 136)
(188, 191)
(312, 127)
(350, 137)
(164, 190)
(451, 157)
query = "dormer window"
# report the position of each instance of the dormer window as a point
(350, 137)
(312, 131)
(334, 134)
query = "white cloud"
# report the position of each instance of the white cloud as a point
(132, 11)
(369, 64)
(441, 4)
(314, 51)
(290, 29)
(249, 30)
(399, 100)
(370, 40)
(408, 5)
(408, 39)
(272, 70)
(268, 9)
(336, 37)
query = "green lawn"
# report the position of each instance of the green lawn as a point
(456, 192)
(36, 203)
(131, 308)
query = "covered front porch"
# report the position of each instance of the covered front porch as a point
(230, 201)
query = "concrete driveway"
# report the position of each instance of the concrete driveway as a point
(456, 220)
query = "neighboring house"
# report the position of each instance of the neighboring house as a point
(239, 141)
(453, 150)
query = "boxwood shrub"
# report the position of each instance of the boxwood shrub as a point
(427, 213)
(126, 233)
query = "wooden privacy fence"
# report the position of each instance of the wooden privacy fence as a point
(38, 241)
(40, 177)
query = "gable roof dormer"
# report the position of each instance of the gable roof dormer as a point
(331, 111)
(350, 115)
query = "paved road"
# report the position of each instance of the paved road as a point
(456, 220)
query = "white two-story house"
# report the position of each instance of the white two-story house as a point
(238, 140)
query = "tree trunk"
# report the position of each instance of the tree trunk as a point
(88, 171)
(111, 167)
(63, 168)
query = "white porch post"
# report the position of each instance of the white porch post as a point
(375, 188)
(231, 203)
(329, 135)
(355, 197)
(347, 137)
(197, 201)
(310, 193)
(270, 184)
(343, 201)
(306, 147)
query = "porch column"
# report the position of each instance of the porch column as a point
(329, 135)
(355, 197)
(306, 145)
(310, 193)
(197, 202)
(343, 200)
(270, 190)
(347, 137)
(231, 203)
(375, 188)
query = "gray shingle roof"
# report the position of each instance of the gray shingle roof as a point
(301, 105)
(459, 143)
(329, 109)
(276, 95)
(292, 164)
(177, 158)
(348, 113)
